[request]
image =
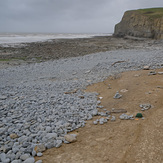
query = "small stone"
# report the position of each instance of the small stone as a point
(58, 143)
(98, 102)
(100, 107)
(70, 138)
(95, 112)
(51, 136)
(152, 73)
(100, 98)
(50, 145)
(3, 97)
(124, 90)
(161, 87)
(15, 149)
(89, 117)
(7, 160)
(24, 157)
(126, 117)
(113, 118)
(13, 136)
(146, 67)
(117, 95)
(109, 86)
(101, 122)
(40, 148)
(2, 130)
(29, 160)
(16, 161)
(139, 115)
(118, 110)
(39, 161)
(48, 129)
(145, 106)
(18, 154)
(2, 156)
(95, 122)
(39, 154)
(11, 155)
(86, 72)
(33, 153)
(160, 73)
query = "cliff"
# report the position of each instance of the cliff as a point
(147, 23)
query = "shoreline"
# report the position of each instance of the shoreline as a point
(65, 48)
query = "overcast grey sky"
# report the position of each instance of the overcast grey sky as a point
(66, 16)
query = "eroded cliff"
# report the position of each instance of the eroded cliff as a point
(146, 23)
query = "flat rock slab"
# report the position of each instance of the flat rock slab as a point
(118, 111)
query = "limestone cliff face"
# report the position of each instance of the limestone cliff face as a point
(140, 24)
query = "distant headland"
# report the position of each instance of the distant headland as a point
(146, 23)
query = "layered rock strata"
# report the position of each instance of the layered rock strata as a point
(147, 23)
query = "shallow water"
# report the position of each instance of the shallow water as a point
(15, 38)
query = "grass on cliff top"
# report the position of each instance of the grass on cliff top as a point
(152, 12)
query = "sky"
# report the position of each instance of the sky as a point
(66, 16)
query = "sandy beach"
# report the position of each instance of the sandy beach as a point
(61, 87)
(122, 141)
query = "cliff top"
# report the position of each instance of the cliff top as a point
(150, 12)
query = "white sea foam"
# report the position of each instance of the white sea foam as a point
(15, 39)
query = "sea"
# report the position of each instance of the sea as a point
(11, 39)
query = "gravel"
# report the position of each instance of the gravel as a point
(40, 103)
